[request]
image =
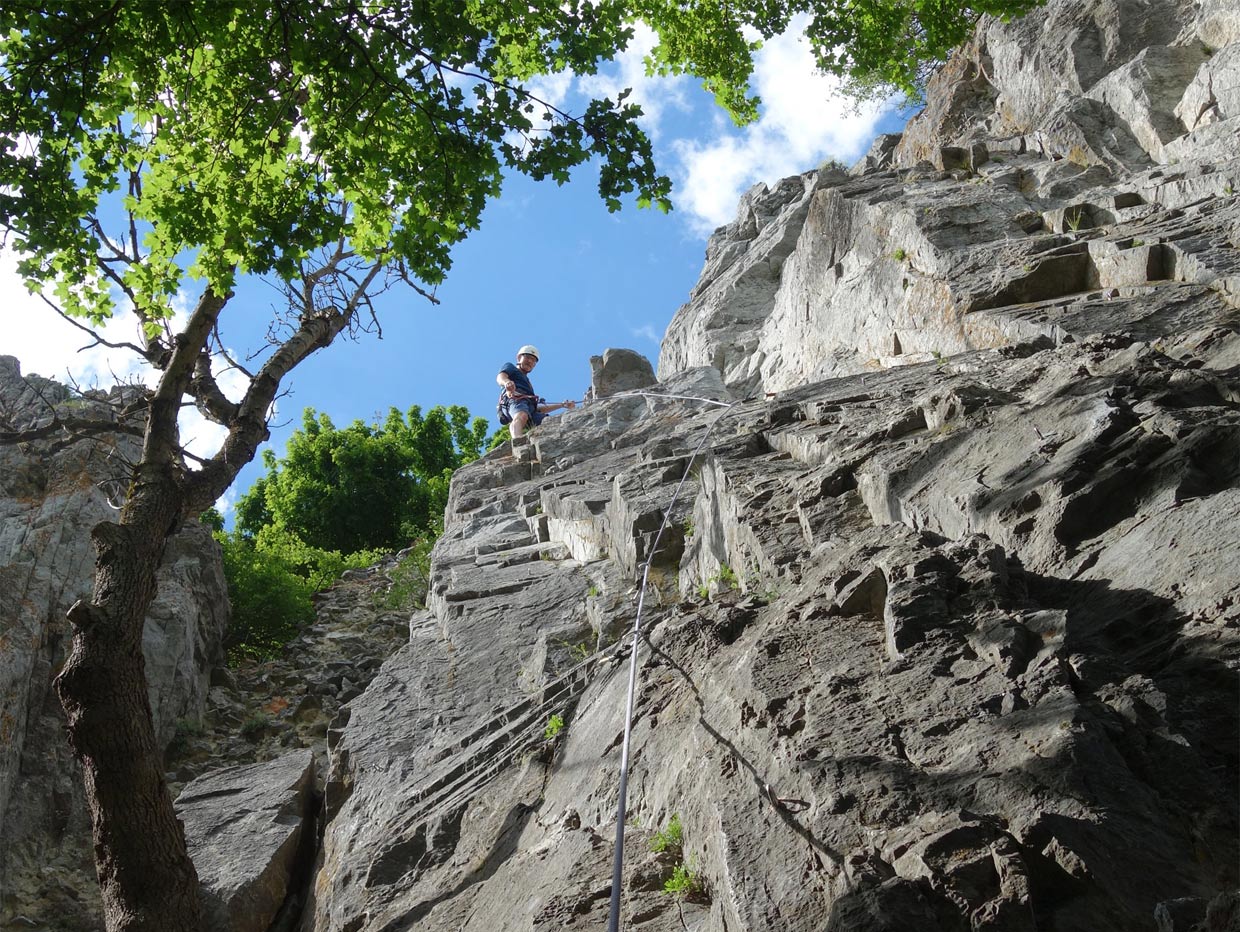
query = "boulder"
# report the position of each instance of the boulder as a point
(619, 370)
(250, 833)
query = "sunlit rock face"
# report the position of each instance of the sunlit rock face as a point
(938, 524)
(1046, 145)
(943, 616)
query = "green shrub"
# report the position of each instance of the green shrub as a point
(411, 578)
(254, 725)
(683, 883)
(186, 730)
(668, 839)
(271, 579)
(555, 725)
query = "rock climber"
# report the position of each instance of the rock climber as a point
(517, 402)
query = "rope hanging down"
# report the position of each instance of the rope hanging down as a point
(613, 921)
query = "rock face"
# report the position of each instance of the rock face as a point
(940, 520)
(1073, 132)
(619, 370)
(247, 828)
(52, 492)
(943, 622)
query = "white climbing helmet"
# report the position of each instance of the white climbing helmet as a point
(527, 350)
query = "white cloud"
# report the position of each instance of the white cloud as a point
(803, 122)
(552, 88)
(52, 347)
(655, 95)
(647, 332)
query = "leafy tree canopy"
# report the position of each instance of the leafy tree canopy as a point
(241, 136)
(366, 487)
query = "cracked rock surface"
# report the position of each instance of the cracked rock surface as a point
(943, 628)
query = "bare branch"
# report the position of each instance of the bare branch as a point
(98, 340)
(223, 353)
(78, 426)
(403, 273)
(317, 328)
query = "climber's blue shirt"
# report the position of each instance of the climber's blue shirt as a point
(508, 407)
(520, 381)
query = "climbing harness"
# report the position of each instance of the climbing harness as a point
(613, 920)
(501, 407)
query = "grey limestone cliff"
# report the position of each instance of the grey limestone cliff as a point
(53, 490)
(944, 624)
(938, 491)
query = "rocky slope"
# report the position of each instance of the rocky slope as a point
(944, 624)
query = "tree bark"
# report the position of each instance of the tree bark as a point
(145, 874)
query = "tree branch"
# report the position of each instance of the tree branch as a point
(248, 428)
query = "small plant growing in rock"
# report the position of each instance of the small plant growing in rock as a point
(255, 725)
(703, 591)
(186, 730)
(688, 528)
(727, 576)
(1137, 242)
(580, 651)
(593, 592)
(899, 254)
(555, 725)
(670, 839)
(683, 883)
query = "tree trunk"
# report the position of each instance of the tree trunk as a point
(146, 877)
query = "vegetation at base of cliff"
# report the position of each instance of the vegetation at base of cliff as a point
(338, 500)
(271, 580)
(411, 578)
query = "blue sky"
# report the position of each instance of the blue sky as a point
(550, 266)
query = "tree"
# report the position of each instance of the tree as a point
(368, 486)
(337, 499)
(338, 147)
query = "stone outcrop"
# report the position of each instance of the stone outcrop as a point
(249, 830)
(1050, 147)
(52, 492)
(939, 513)
(619, 370)
(943, 627)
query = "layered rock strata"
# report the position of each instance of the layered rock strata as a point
(944, 627)
(1079, 150)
